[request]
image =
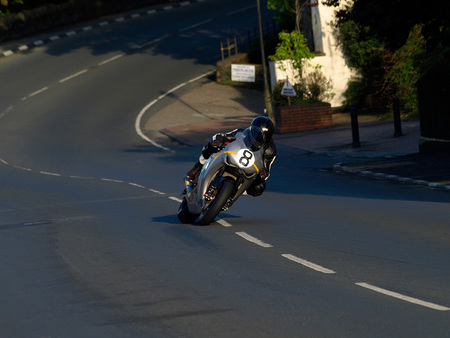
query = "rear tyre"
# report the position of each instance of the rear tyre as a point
(211, 211)
(184, 215)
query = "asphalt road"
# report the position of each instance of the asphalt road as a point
(89, 239)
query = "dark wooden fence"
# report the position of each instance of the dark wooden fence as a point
(242, 43)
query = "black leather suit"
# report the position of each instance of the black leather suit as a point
(219, 140)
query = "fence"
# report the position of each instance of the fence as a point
(243, 44)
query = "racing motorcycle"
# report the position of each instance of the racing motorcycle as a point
(225, 176)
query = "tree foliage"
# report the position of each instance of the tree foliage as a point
(290, 12)
(403, 70)
(312, 85)
(7, 5)
(292, 46)
(390, 43)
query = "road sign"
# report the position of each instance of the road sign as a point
(288, 90)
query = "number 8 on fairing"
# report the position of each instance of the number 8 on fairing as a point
(246, 158)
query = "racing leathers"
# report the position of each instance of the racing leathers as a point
(219, 141)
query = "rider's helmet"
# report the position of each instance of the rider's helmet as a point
(259, 133)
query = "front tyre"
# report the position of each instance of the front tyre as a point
(184, 215)
(210, 212)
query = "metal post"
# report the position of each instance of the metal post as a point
(355, 127)
(397, 120)
(267, 96)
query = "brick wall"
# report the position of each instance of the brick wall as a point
(303, 117)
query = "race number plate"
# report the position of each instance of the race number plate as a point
(245, 158)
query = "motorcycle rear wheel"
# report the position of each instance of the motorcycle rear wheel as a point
(184, 215)
(211, 211)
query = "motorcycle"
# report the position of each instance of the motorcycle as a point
(225, 176)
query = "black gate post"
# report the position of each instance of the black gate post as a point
(397, 120)
(355, 127)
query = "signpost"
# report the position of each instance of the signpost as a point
(288, 91)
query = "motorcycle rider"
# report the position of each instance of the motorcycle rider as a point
(257, 137)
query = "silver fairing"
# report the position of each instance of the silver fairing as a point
(235, 161)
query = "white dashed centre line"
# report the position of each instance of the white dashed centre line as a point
(403, 297)
(308, 264)
(253, 239)
(70, 77)
(224, 223)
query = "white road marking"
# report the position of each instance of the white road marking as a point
(195, 25)
(153, 41)
(49, 173)
(111, 180)
(176, 199)
(6, 111)
(157, 192)
(81, 177)
(111, 59)
(224, 223)
(136, 185)
(240, 10)
(70, 77)
(3, 161)
(403, 297)
(38, 42)
(137, 124)
(308, 264)
(253, 239)
(38, 91)
(22, 168)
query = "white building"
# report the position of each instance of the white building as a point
(333, 64)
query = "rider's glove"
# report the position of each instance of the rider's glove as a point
(264, 174)
(217, 141)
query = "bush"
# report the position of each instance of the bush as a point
(404, 70)
(314, 87)
(317, 87)
(355, 93)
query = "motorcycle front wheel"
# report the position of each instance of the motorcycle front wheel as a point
(210, 212)
(184, 215)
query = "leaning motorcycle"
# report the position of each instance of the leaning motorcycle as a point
(225, 176)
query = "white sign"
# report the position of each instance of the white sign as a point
(288, 90)
(243, 73)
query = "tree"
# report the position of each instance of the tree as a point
(8, 4)
(403, 70)
(291, 7)
(292, 47)
(390, 21)
(380, 41)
